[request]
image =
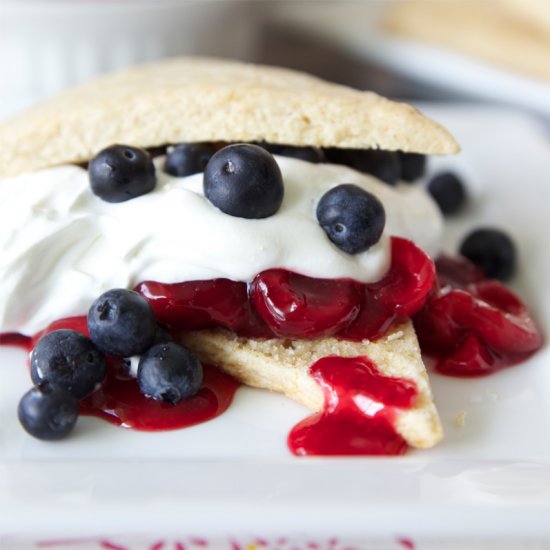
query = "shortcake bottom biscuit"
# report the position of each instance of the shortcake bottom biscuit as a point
(283, 365)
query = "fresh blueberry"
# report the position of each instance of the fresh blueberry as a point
(48, 412)
(383, 165)
(352, 218)
(162, 335)
(448, 191)
(121, 322)
(245, 181)
(413, 166)
(186, 159)
(492, 250)
(309, 154)
(68, 359)
(169, 372)
(120, 173)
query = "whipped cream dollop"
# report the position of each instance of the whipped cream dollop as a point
(62, 246)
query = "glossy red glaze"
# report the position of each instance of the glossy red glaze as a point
(197, 305)
(359, 412)
(120, 402)
(474, 325)
(295, 306)
(288, 305)
(16, 339)
(400, 294)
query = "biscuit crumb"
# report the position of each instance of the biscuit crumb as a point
(395, 336)
(460, 419)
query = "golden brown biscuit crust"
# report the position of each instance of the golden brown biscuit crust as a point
(201, 99)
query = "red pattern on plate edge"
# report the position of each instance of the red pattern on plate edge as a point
(190, 543)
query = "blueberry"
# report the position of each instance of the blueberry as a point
(120, 173)
(162, 335)
(352, 218)
(492, 251)
(121, 322)
(69, 360)
(169, 372)
(48, 412)
(186, 159)
(413, 165)
(383, 165)
(309, 154)
(448, 191)
(244, 180)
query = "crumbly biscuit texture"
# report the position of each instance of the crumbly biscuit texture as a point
(202, 99)
(513, 34)
(283, 366)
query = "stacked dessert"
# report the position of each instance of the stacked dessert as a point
(207, 215)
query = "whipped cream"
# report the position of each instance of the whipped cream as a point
(62, 246)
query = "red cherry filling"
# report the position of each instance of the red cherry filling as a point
(400, 294)
(474, 325)
(359, 411)
(204, 304)
(295, 306)
(120, 402)
(280, 303)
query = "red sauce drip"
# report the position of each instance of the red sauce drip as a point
(120, 402)
(16, 339)
(473, 325)
(359, 411)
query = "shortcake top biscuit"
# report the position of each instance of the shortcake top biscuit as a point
(200, 99)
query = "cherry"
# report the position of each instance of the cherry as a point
(474, 325)
(289, 305)
(203, 304)
(400, 294)
(470, 358)
(457, 271)
(295, 306)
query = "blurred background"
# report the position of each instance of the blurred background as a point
(495, 51)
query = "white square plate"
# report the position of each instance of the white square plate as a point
(234, 477)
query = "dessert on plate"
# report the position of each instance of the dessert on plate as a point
(219, 192)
